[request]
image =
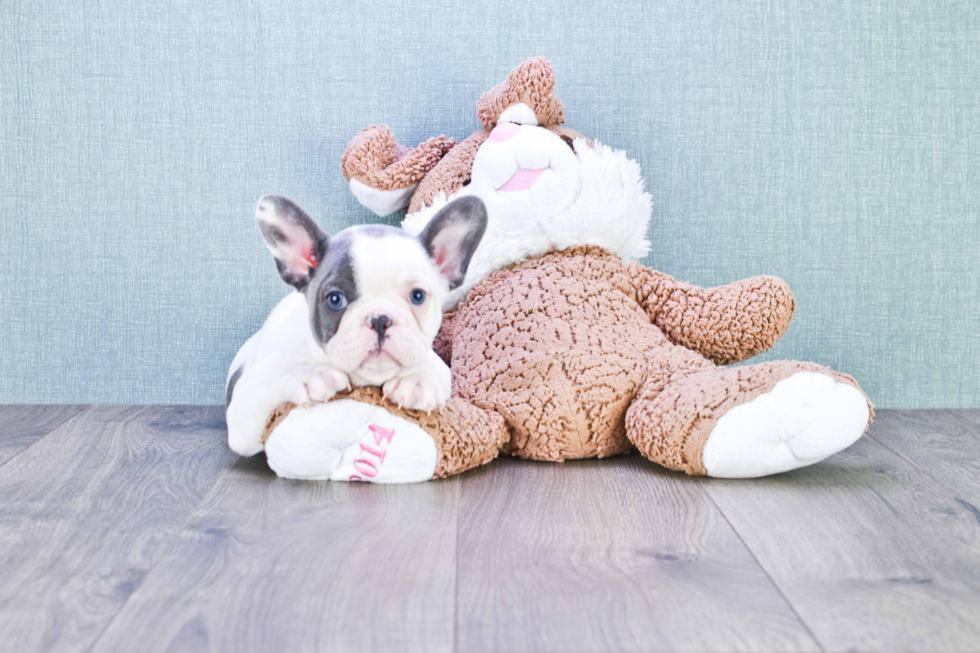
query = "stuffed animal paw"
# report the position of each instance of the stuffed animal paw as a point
(360, 437)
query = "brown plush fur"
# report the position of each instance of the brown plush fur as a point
(584, 356)
(533, 83)
(375, 159)
(450, 174)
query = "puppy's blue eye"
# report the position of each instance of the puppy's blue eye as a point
(336, 300)
(417, 296)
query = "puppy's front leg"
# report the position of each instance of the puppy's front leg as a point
(259, 392)
(427, 387)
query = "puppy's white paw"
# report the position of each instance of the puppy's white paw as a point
(325, 382)
(315, 384)
(426, 389)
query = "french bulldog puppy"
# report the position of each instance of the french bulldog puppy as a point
(367, 306)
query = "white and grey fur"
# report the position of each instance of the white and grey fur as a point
(311, 348)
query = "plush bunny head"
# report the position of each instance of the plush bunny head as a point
(545, 186)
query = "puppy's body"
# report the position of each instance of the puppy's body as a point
(367, 308)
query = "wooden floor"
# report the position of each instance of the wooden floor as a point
(136, 529)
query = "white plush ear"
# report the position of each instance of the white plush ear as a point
(382, 202)
(452, 236)
(295, 240)
(518, 113)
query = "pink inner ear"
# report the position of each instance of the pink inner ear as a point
(443, 262)
(303, 261)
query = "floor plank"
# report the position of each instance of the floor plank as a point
(943, 443)
(105, 541)
(89, 509)
(21, 426)
(873, 553)
(608, 555)
(272, 565)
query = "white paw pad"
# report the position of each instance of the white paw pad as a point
(802, 420)
(348, 440)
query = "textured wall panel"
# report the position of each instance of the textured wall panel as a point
(836, 144)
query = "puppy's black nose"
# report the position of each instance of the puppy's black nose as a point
(380, 323)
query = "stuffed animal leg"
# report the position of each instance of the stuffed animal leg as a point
(750, 421)
(739, 422)
(359, 436)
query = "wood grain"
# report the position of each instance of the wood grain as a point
(608, 555)
(127, 528)
(873, 553)
(21, 426)
(943, 443)
(272, 565)
(89, 509)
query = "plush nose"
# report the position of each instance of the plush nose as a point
(380, 323)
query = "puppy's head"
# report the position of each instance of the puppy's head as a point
(375, 293)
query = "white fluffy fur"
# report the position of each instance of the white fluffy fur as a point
(611, 210)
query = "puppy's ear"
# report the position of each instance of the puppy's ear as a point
(294, 239)
(452, 236)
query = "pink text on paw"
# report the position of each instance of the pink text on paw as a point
(369, 463)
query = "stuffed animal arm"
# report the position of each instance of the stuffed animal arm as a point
(726, 324)
(383, 174)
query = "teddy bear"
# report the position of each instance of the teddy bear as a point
(561, 345)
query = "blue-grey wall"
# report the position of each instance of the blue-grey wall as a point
(836, 144)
